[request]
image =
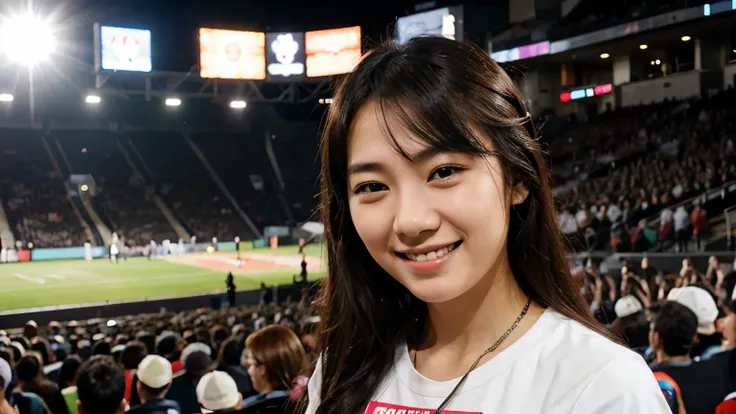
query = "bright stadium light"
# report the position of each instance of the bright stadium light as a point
(6, 97)
(605, 55)
(93, 99)
(685, 38)
(238, 104)
(173, 101)
(643, 47)
(26, 39)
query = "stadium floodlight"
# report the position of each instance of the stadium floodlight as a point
(238, 104)
(26, 39)
(658, 61)
(93, 99)
(685, 38)
(173, 101)
(605, 55)
(6, 97)
(643, 47)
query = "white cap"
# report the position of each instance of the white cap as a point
(627, 305)
(217, 391)
(5, 373)
(701, 303)
(154, 371)
(197, 346)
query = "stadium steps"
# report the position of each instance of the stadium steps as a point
(7, 239)
(277, 173)
(102, 229)
(175, 224)
(222, 187)
(136, 168)
(65, 170)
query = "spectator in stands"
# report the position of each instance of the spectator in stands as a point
(275, 358)
(632, 323)
(701, 384)
(101, 387)
(31, 378)
(218, 393)
(68, 382)
(197, 362)
(154, 380)
(131, 357)
(704, 306)
(682, 228)
(229, 361)
(699, 219)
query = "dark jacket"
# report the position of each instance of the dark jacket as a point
(156, 407)
(184, 391)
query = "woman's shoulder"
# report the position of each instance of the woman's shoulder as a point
(573, 340)
(609, 373)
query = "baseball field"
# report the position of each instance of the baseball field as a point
(73, 282)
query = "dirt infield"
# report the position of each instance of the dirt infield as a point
(228, 262)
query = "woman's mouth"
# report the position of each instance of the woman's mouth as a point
(431, 260)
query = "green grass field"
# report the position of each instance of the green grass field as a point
(69, 282)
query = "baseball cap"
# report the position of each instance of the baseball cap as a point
(197, 346)
(154, 371)
(627, 305)
(217, 391)
(5, 373)
(701, 303)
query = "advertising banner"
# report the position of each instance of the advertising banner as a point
(122, 48)
(332, 52)
(232, 54)
(285, 56)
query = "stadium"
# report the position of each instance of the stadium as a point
(160, 184)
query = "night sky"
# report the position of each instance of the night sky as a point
(174, 23)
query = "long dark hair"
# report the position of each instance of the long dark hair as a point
(440, 90)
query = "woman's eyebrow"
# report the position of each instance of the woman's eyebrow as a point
(361, 167)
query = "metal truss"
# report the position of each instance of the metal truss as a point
(190, 85)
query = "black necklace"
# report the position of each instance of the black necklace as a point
(493, 347)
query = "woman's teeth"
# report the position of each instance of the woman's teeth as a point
(431, 255)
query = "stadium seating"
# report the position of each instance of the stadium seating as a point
(33, 193)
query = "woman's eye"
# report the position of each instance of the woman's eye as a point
(370, 188)
(445, 172)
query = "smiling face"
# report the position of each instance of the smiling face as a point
(436, 223)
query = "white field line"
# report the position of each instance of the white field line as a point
(36, 280)
(107, 281)
(55, 276)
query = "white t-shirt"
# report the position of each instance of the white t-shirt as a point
(558, 366)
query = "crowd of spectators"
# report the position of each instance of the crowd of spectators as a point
(639, 163)
(33, 195)
(681, 322)
(248, 359)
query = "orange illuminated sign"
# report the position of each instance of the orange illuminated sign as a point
(332, 52)
(232, 54)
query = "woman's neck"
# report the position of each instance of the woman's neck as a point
(461, 329)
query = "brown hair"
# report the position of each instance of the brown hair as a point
(440, 90)
(278, 349)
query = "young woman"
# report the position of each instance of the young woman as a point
(448, 285)
(275, 358)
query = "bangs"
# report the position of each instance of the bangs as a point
(431, 120)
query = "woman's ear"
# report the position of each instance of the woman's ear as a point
(519, 193)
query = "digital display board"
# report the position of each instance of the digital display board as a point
(123, 49)
(333, 51)
(445, 22)
(285, 56)
(232, 54)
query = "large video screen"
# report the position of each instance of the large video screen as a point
(232, 54)
(441, 22)
(124, 49)
(332, 52)
(285, 56)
